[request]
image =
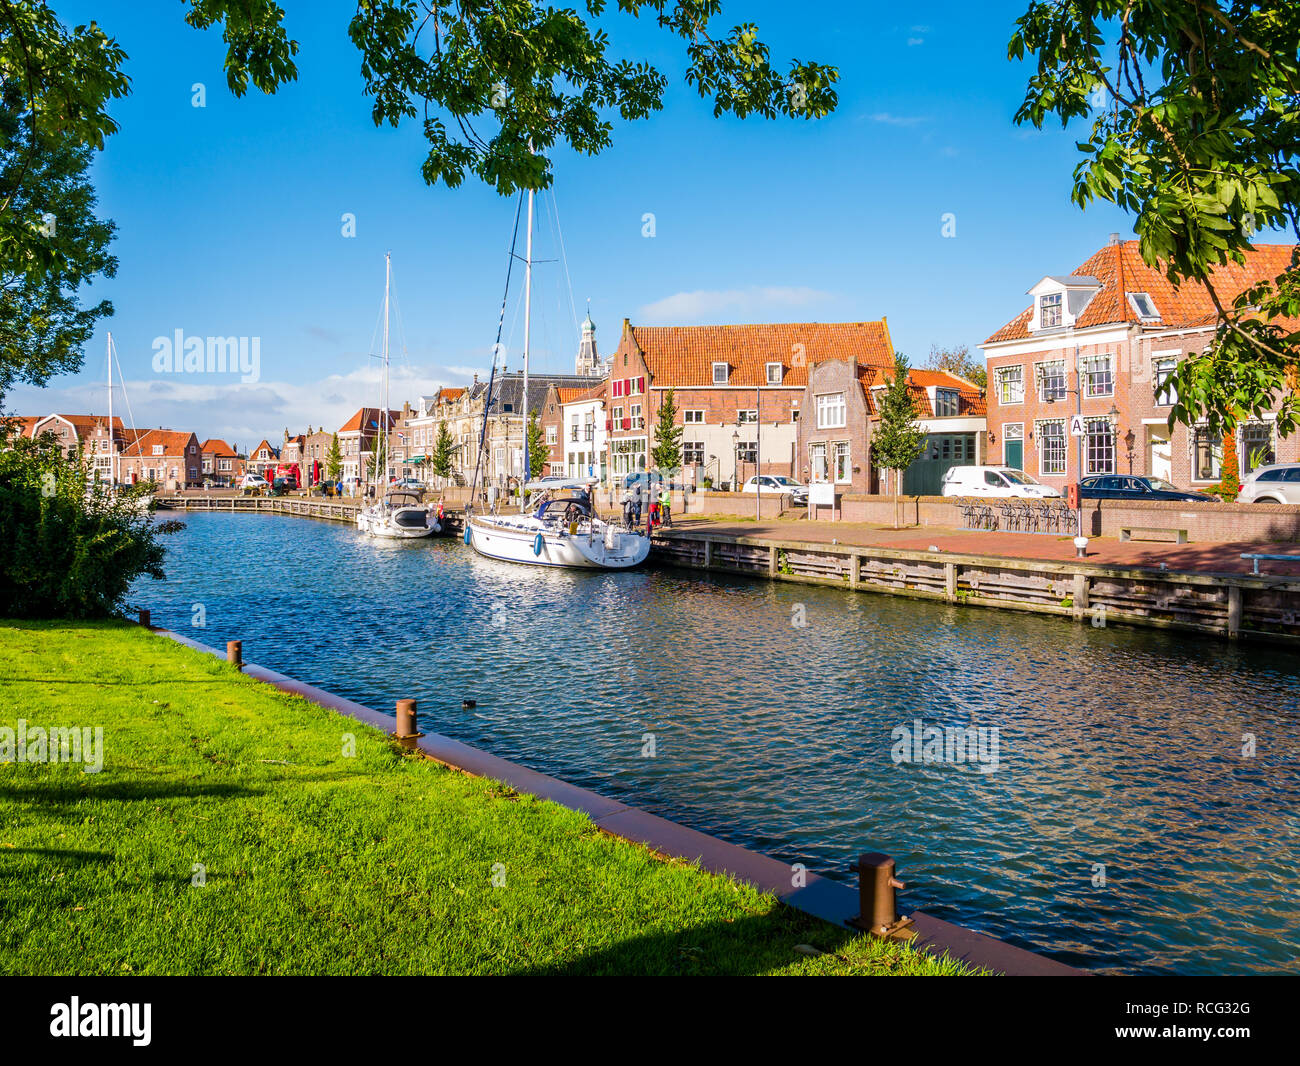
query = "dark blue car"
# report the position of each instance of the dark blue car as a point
(1137, 487)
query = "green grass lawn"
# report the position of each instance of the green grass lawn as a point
(319, 862)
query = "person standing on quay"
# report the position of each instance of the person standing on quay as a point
(665, 507)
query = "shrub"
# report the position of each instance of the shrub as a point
(69, 548)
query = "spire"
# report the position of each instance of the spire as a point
(588, 364)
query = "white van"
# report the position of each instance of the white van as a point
(994, 481)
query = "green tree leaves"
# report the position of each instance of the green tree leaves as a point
(667, 451)
(1195, 112)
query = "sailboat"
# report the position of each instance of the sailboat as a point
(401, 514)
(557, 524)
(141, 503)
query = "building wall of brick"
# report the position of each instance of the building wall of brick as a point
(827, 378)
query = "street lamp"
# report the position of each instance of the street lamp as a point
(735, 461)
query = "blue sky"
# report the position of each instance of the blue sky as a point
(230, 224)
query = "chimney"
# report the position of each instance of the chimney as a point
(1114, 238)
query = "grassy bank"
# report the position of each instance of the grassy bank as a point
(314, 861)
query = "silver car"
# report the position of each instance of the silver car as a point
(1279, 483)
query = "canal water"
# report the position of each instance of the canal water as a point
(1114, 821)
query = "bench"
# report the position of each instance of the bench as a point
(1159, 533)
(1257, 556)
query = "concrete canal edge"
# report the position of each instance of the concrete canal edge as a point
(819, 896)
(1233, 606)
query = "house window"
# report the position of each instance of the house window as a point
(1051, 446)
(1098, 376)
(774, 373)
(1257, 446)
(947, 403)
(831, 411)
(1143, 305)
(693, 418)
(817, 461)
(618, 418)
(1161, 371)
(1099, 446)
(1011, 384)
(720, 373)
(794, 415)
(1207, 456)
(693, 452)
(637, 421)
(843, 471)
(1049, 311)
(157, 449)
(1051, 380)
(551, 434)
(747, 451)
(747, 417)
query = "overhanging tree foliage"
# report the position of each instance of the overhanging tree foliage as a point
(539, 451)
(442, 461)
(1195, 109)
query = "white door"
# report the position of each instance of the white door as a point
(1161, 457)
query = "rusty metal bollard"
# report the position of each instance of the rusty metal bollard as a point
(235, 653)
(144, 618)
(408, 730)
(877, 903)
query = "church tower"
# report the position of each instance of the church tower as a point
(588, 363)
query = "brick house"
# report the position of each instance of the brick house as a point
(840, 412)
(221, 464)
(1102, 341)
(357, 440)
(316, 450)
(169, 458)
(584, 440)
(737, 390)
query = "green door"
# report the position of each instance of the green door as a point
(1013, 454)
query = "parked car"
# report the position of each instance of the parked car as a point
(994, 481)
(409, 483)
(1276, 483)
(282, 486)
(253, 484)
(1138, 487)
(778, 483)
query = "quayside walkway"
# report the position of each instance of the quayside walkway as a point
(1197, 558)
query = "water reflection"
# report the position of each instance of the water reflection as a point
(1123, 829)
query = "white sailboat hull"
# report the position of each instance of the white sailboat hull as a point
(514, 540)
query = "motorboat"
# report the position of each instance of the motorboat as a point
(400, 515)
(561, 529)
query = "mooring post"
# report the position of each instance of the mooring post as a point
(877, 903)
(950, 582)
(235, 653)
(773, 559)
(1234, 611)
(708, 553)
(1080, 596)
(144, 618)
(408, 731)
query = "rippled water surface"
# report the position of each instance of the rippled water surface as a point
(1120, 751)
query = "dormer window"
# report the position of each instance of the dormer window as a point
(1143, 305)
(947, 403)
(774, 373)
(720, 372)
(1049, 311)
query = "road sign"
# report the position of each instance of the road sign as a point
(1076, 426)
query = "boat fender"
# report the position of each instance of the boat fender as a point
(467, 534)
(435, 525)
(538, 544)
(573, 528)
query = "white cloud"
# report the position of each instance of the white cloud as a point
(692, 308)
(890, 119)
(912, 42)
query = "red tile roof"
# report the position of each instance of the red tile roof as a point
(574, 395)
(216, 447)
(371, 417)
(172, 441)
(1120, 269)
(683, 356)
(971, 402)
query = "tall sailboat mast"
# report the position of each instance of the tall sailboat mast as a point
(112, 451)
(528, 307)
(381, 448)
